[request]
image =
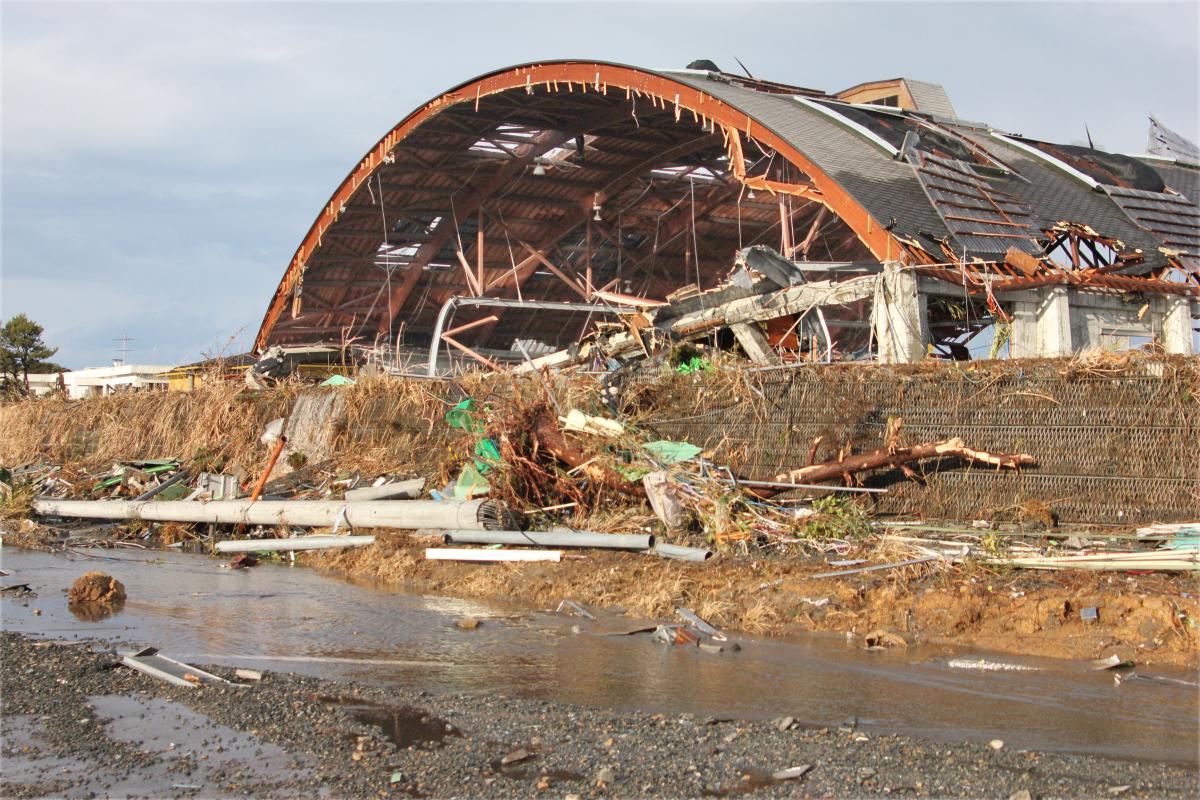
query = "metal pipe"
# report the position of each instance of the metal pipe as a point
(285, 545)
(402, 490)
(606, 541)
(403, 514)
(680, 553)
(174, 479)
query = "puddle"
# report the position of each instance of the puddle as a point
(403, 726)
(286, 619)
(198, 755)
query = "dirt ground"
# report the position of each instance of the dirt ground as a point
(1151, 619)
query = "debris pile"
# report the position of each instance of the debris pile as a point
(548, 467)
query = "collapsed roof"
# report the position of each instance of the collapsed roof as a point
(579, 183)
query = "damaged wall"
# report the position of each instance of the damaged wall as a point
(1115, 443)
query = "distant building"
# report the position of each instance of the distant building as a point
(905, 93)
(96, 381)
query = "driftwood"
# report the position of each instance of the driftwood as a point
(549, 437)
(843, 468)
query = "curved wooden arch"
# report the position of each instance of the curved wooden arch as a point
(594, 76)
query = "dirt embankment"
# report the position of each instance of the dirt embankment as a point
(1149, 618)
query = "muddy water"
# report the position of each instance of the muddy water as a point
(278, 618)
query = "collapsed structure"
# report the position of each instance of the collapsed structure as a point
(541, 206)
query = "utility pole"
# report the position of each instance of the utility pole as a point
(124, 340)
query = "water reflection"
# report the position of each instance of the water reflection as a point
(288, 619)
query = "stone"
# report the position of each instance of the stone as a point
(520, 754)
(791, 773)
(467, 624)
(996, 744)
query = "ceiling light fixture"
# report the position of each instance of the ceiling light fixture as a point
(538, 169)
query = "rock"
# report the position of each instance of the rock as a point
(1021, 795)
(791, 773)
(785, 723)
(1116, 790)
(520, 754)
(467, 624)
(98, 588)
(605, 776)
(996, 744)
(880, 639)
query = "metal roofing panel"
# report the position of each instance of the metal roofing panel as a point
(1172, 218)
(1054, 196)
(886, 188)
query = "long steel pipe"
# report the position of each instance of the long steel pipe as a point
(608, 541)
(404, 514)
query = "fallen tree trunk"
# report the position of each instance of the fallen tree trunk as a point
(843, 469)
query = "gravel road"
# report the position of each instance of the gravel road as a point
(75, 724)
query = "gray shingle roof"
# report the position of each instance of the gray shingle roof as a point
(890, 189)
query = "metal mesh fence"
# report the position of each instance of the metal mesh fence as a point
(1111, 448)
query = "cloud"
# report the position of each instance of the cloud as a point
(56, 102)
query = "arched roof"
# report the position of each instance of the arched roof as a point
(555, 179)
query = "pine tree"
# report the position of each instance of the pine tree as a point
(23, 351)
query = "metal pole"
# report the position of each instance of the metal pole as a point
(608, 541)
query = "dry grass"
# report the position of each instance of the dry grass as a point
(217, 422)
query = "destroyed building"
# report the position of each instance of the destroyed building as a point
(540, 206)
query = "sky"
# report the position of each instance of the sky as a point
(160, 162)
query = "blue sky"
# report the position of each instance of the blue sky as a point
(161, 161)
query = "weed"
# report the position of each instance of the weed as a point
(837, 518)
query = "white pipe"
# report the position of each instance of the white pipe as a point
(403, 490)
(461, 554)
(680, 553)
(405, 514)
(609, 541)
(299, 543)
